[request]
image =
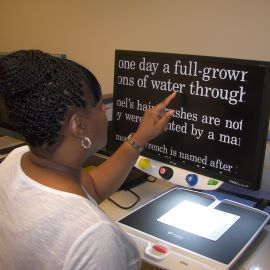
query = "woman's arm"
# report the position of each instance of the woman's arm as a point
(106, 178)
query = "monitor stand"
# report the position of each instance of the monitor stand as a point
(173, 247)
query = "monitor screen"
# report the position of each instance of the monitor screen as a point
(221, 118)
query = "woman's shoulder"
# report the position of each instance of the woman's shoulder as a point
(16, 152)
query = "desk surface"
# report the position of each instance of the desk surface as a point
(256, 255)
(147, 191)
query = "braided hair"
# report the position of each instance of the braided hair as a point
(40, 90)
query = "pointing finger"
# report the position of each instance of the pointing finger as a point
(163, 104)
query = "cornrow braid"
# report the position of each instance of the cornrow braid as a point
(39, 89)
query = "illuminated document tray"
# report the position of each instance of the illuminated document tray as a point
(193, 248)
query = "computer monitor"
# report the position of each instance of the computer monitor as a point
(219, 129)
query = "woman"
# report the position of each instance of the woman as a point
(49, 211)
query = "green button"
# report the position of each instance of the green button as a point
(212, 182)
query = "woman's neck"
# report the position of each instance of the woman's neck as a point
(52, 173)
(59, 167)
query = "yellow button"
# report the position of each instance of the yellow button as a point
(144, 163)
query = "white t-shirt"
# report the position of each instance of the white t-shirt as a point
(43, 228)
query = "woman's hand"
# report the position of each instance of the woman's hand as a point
(106, 178)
(154, 121)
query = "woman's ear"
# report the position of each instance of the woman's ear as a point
(76, 124)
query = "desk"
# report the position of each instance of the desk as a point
(257, 255)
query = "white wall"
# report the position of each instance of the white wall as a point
(89, 31)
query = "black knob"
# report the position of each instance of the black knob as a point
(166, 172)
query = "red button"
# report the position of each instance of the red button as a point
(162, 170)
(160, 249)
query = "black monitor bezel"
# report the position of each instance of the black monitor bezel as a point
(262, 130)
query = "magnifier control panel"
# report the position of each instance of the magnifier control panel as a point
(176, 175)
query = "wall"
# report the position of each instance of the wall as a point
(89, 31)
